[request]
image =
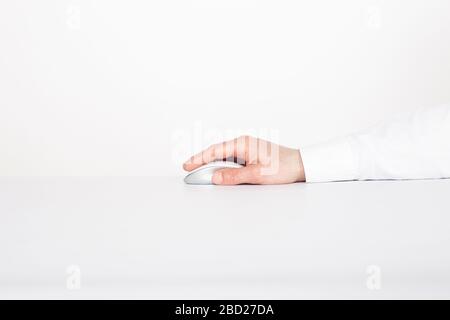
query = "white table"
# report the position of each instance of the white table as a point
(158, 238)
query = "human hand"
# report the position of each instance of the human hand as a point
(265, 162)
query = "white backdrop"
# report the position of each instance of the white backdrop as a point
(132, 87)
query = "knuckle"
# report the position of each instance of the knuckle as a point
(245, 137)
(244, 141)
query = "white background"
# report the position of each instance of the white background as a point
(132, 87)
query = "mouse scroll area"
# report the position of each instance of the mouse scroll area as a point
(204, 174)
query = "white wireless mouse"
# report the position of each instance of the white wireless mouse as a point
(203, 175)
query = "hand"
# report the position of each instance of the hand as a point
(265, 162)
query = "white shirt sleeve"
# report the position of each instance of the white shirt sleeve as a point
(411, 146)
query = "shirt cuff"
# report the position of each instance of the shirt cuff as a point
(330, 161)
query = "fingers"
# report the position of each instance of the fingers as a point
(210, 154)
(236, 148)
(233, 176)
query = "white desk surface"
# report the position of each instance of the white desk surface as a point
(158, 238)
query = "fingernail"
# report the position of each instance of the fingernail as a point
(217, 178)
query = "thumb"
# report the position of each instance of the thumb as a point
(233, 176)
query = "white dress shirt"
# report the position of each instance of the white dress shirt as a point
(411, 146)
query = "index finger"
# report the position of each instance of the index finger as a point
(220, 151)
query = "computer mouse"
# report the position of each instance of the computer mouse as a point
(203, 175)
